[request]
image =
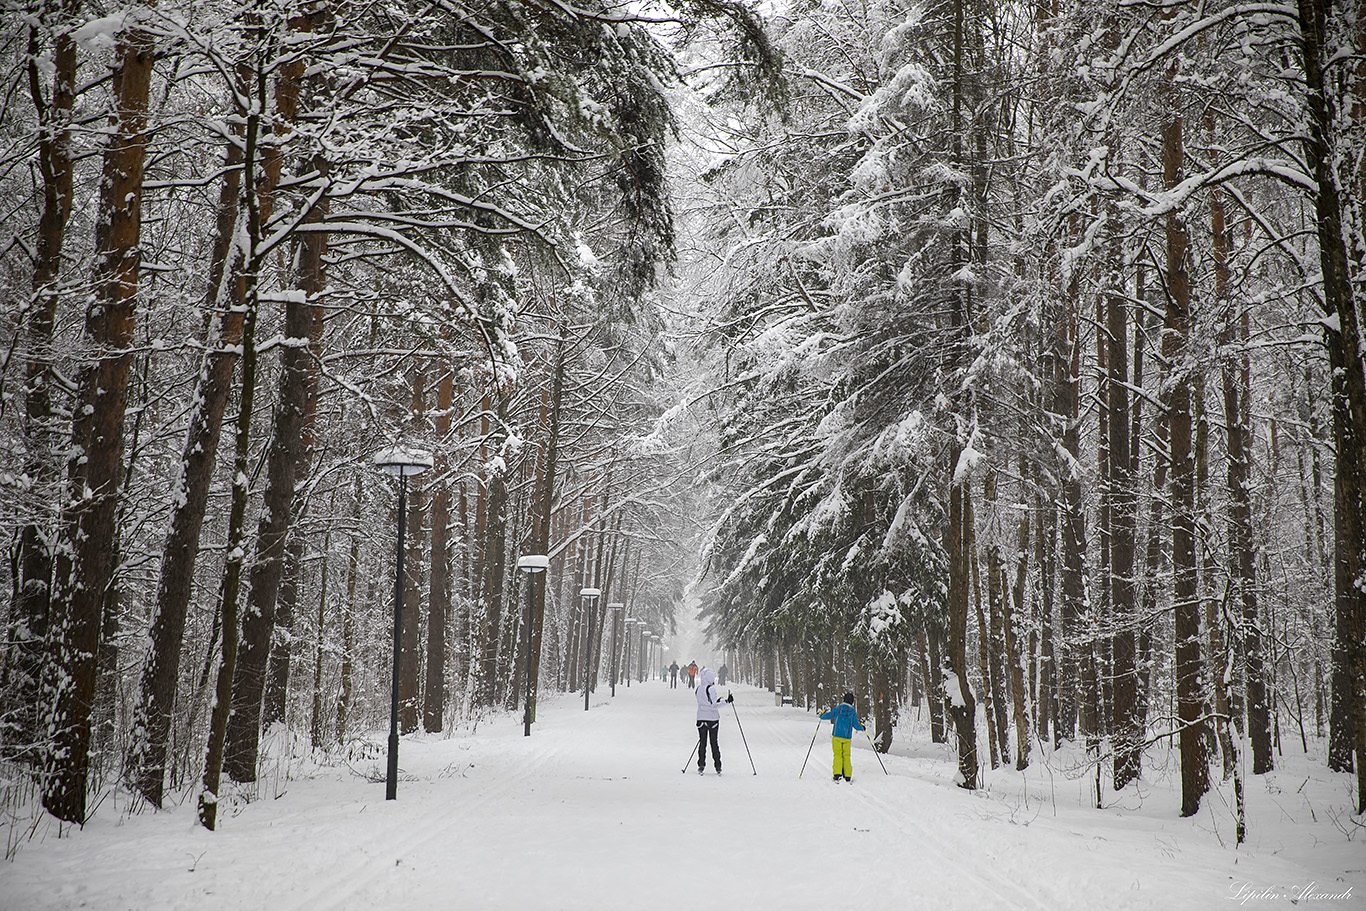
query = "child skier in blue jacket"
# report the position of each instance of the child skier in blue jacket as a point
(845, 720)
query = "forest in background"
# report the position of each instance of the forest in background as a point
(985, 356)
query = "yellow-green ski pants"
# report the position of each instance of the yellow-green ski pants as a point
(843, 766)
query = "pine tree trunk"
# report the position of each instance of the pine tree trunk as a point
(410, 661)
(546, 494)
(287, 446)
(1185, 596)
(161, 672)
(495, 542)
(84, 567)
(959, 701)
(28, 623)
(933, 690)
(1014, 660)
(1344, 340)
(277, 515)
(1067, 385)
(230, 591)
(348, 645)
(1128, 723)
(315, 725)
(439, 592)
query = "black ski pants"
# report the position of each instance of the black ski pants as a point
(707, 730)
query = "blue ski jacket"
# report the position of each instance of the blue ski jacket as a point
(845, 718)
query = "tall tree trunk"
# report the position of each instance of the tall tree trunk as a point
(349, 623)
(230, 590)
(495, 545)
(1128, 723)
(1344, 339)
(1014, 659)
(311, 279)
(1237, 415)
(287, 444)
(277, 513)
(959, 701)
(439, 592)
(1067, 406)
(29, 620)
(1185, 595)
(934, 689)
(84, 567)
(410, 660)
(546, 492)
(315, 725)
(161, 672)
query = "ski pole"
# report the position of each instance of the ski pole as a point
(875, 753)
(690, 756)
(808, 750)
(743, 740)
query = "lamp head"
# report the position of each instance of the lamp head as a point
(533, 563)
(402, 461)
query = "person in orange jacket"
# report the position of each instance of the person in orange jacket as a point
(692, 674)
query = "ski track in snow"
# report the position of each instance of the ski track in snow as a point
(592, 813)
(340, 893)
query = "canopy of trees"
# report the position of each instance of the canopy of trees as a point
(998, 357)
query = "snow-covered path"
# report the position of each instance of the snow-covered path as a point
(593, 811)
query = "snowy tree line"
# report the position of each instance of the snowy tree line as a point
(1039, 377)
(246, 246)
(1011, 361)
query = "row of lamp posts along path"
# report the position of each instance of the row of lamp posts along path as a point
(405, 462)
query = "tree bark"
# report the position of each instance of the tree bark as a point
(494, 548)
(1344, 339)
(1128, 723)
(29, 622)
(161, 672)
(84, 568)
(439, 592)
(1185, 596)
(546, 491)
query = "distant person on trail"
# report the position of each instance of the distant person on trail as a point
(692, 674)
(664, 673)
(708, 720)
(721, 676)
(673, 680)
(845, 720)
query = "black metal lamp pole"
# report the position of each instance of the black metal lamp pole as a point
(402, 462)
(615, 608)
(591, 596)
(532, 565)
(391, 779)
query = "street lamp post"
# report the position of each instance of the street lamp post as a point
(628, 657)
(403, 463)
(590, 595)
(616, 608)
(647, 670)
(531, 564)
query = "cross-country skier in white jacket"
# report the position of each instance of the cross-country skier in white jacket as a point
(709, 720)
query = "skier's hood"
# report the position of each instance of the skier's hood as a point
(708, 676)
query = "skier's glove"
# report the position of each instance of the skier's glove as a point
(730, 697)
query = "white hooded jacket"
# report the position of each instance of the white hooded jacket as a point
(708, 697)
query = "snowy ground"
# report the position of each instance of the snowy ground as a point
(593, 812)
